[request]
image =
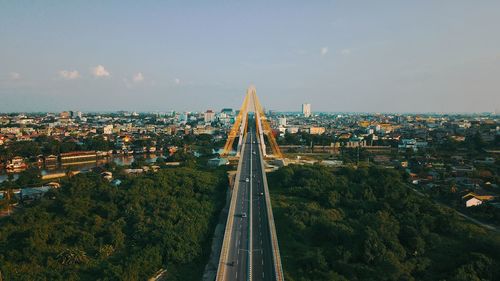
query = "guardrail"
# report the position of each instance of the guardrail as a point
(278, 269)
(250, 219)
(221, 270)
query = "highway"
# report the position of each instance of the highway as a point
(250, 218)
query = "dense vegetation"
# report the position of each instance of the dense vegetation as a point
(365, 224)
(91, 230)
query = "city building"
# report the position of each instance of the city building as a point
(183, 117)
(228, 111)
(65, 114)
(108, 129)
(209, 116)
(76, 114)
(315, 130)
(282, 121)
(306, 109)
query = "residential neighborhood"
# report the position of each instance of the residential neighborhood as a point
(452, 158)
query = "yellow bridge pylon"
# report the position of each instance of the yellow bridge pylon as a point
(251, 103)
(228, 147)
(266, 128)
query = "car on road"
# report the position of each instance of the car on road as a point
(243, 215)
(247, 179)
(261, 194)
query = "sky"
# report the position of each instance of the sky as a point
(339, 56)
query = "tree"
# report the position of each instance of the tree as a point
(71, 256)
(370, 226)
(90, 230)
(28, 177)
(139, 162)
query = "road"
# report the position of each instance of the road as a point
(250, 219)
(473, 220)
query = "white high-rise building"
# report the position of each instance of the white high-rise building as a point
(282, 121)
(306, 109)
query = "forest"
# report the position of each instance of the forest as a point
(366, 224)
(91, 230)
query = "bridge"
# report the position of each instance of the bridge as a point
(250, 247)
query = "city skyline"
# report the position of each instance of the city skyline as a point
(177, 56)
(249, 140)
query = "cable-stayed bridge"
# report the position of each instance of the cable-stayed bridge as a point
(250, 247)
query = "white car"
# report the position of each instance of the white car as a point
(247, 179)
(243, 215)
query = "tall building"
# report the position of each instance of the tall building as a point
(209, 116)
(282, 121)
(75, 114)
(306, 109)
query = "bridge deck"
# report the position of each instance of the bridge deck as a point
(251, 250)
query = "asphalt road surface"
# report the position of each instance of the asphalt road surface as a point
(238, 257)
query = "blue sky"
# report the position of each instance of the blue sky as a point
(376, 56)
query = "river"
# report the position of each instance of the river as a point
(121, 160)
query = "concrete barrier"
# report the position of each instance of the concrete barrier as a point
(278, 269)
(221, 271)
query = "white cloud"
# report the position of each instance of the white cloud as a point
(69, 74)
(138, 77)
(100, 71)
(324, 50)
(177, 81)
(15, 76)
(345, 52)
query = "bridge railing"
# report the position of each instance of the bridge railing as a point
(221, 270)
(278, 269)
